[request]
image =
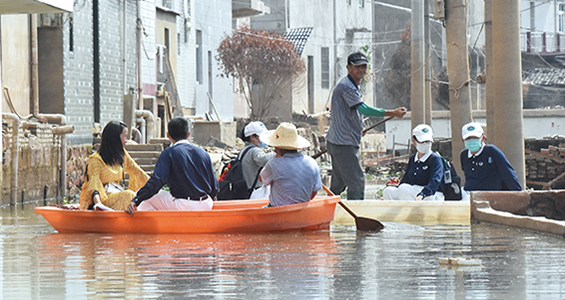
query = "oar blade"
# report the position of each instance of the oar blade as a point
(366, 224)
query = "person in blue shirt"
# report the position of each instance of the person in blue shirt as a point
(485, 166)
(293, 176)
(186, 169)
(424, 173)
(346, 127)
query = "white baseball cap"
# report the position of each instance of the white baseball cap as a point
(255, 127)
(423, 133)
(472, 129)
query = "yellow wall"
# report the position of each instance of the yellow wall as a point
(160, 39)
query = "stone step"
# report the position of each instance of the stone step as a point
(147, 168)
(144, 147)
(146, 161)
(144, 154)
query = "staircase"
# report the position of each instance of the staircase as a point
(145, 155)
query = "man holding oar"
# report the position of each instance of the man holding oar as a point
(346, 127)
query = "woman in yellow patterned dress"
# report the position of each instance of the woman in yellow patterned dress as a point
(107, 166)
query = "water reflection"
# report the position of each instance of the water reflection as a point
(187, 265)
(400, 262)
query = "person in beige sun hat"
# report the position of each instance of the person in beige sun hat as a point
(293, 177)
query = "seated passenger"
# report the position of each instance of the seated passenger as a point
(424, 173)
(293, 177)
(186, 169)
(106, 169)
(485, 166)
(254, 159)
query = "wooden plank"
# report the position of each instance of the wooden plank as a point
(411, 212)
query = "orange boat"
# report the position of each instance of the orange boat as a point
(226, 216)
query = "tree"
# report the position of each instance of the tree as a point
(259, 58)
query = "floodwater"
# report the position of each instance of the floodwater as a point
(400, 262)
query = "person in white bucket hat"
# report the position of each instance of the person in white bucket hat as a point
(485, 167)
(424, 172)
(293, 177)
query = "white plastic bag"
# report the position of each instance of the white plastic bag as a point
(113, 187)
(261, 193)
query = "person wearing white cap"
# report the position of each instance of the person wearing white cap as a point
(293, 177)
(424, 172)
(253, 157)
(346, 127)
(485, 166)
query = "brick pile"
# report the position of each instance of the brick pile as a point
(547, 164)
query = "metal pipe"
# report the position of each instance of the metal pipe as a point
(138, 42)
(15, 120)
(124, 49)
(34, 66)
(148, 115)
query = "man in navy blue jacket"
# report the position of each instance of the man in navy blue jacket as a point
(186, 169)
(485, 166)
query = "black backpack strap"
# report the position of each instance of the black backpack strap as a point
(240, 158)
(256, 179)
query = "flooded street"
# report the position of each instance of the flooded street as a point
(400, 262)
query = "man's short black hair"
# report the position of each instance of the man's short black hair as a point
(178, 128)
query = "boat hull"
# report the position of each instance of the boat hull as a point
(226, 216)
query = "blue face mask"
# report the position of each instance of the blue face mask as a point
(262, 145)
(473, 144)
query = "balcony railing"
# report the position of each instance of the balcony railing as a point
(543, 42)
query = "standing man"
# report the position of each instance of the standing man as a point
(485, 166)
(186, 169)
(346, 127)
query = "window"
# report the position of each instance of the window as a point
(168, 4)
(562, 18)
(325, 67)
(348, 2)
(179, 39)
(361, 3)
(199, 56)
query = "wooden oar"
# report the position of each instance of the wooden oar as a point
(362, 223)
(373, 126)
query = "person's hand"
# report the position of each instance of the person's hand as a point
(399, 112)
(131, 208)
(419, 198)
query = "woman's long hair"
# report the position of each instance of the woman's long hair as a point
(111, 148)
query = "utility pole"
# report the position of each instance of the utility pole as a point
(507, 66)
(428, 66)
(417, 79)
(489, 85)
(458, 73)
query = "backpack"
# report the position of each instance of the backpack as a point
(232, 184)
(451, 182)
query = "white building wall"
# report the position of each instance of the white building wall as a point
(214, 19)
(537, 124)
(148, 50)
(186, 57)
